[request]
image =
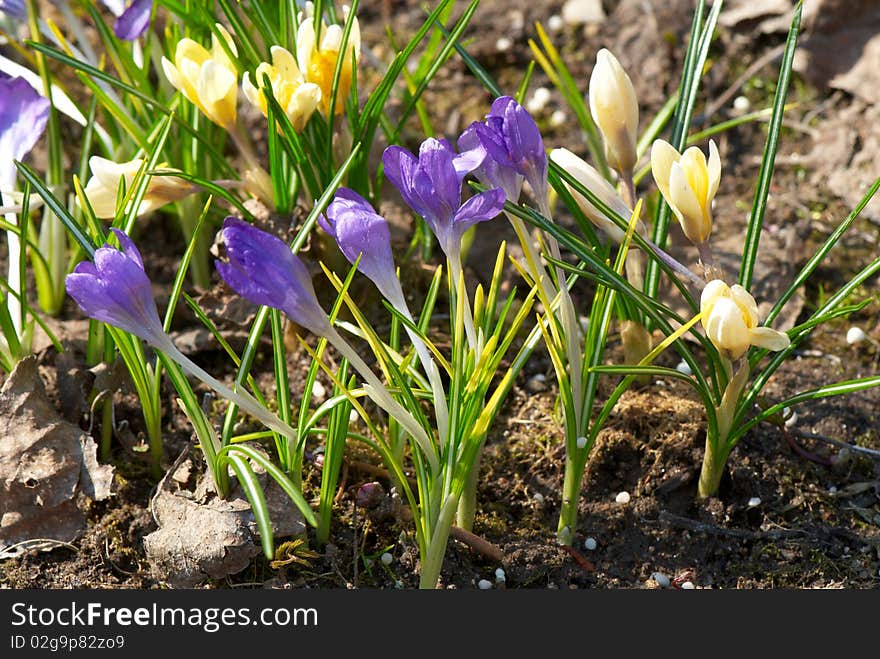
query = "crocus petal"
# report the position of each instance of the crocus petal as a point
(663, 155)
(261, 268)
(768, 338)
(217, 91)
(115, 290)
(746, 303)
(726, 329)
(128, 247)
(687, 208)
(23, 117)
(134, 21)
(435, 160)
(479, 208)
(714, 166)
(587, 176)
(361, 232)
(712, 292)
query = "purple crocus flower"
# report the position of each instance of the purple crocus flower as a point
(261, 268)
(133, 21)
(514, 145)
(361, 232)
(431, 185)
(115, 290)
(23, 117)
(13, 8)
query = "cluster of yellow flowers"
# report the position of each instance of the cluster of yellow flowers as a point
(300, 84)
(209, 80)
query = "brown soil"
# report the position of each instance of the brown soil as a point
(818, 521)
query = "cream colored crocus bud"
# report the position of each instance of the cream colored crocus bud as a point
(298, 98)
(318, 60)
(209, 80)
(615, 111)
(730, 318)
(593, 181)
(102, 189)
(688, 182)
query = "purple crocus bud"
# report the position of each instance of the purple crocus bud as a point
(134, 20)
(23, 117)
(361, 232)
(431, 185)
(261, 268)
(512, 139)
(115, 290)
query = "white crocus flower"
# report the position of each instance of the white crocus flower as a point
(593, 181)
(103, 187)
(730, 318)
(688, 182)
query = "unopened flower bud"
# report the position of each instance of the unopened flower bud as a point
(615, 111)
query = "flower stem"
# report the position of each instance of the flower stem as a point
(379, 393)
(432, 561)
(240, 398)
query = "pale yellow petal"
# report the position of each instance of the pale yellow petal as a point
(285, 63)
(746, 303)
(682, 198)
(714, 166)
(663, 154)
(217, 92)
(770, 339)
(713, 291)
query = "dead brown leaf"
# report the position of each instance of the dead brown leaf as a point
(45, 464)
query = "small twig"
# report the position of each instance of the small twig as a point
(873, 453)
(480, 545)
(801, 451)
(586, 565)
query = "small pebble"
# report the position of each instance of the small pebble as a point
(538, 101)
(622, 497)
(503, 44)
(791, 418)
(684, 368)
(500, 577)
(538, 497)
(741, 104)
(398, 584)
(590, 544)
(319, 392)
(353, 416)
(855, 335)
(688, 585)
(386, 558)
(832, 489)
(754, 502)
(484, 584)
(555, 23)
(582, 442)
(536, 384)
(558, 118)
(661, 579)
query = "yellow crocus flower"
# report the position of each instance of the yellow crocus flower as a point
(209, 80)
(298, 98)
